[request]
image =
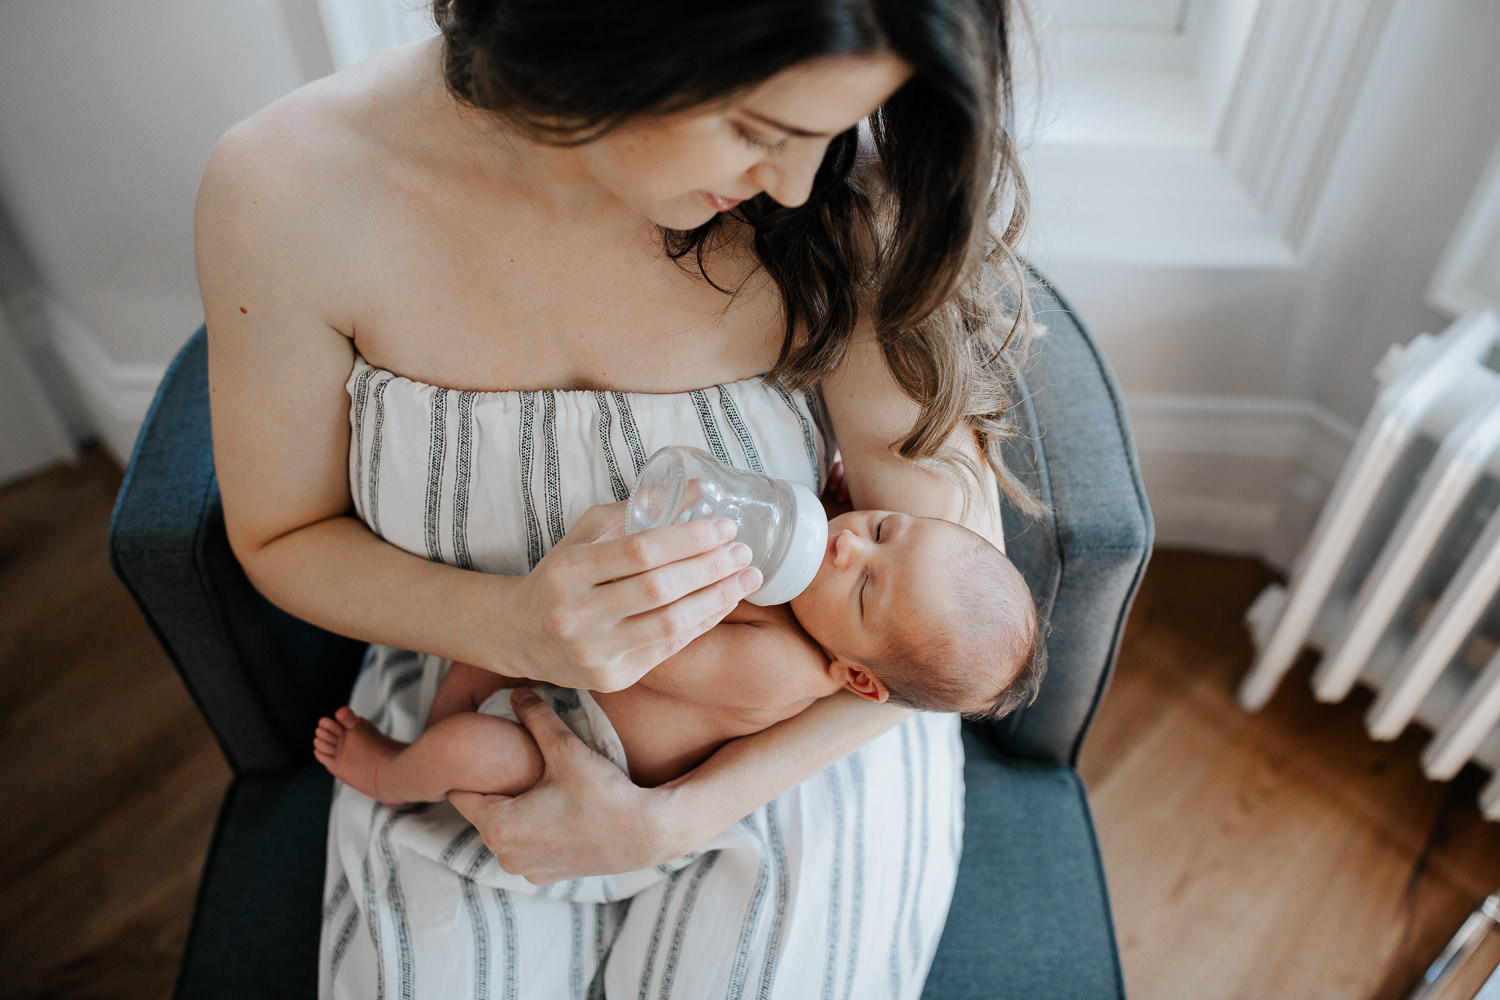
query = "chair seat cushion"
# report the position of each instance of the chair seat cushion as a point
(1030, 915)
(255, 928)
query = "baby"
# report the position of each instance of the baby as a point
(915, 610)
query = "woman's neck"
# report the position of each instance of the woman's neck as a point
(554, 180)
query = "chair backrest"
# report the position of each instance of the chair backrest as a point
(1084, 559)
(262, 677)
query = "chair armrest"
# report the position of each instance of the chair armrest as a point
(259, 676)
(1085, 558)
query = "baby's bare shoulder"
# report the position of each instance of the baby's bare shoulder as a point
(755, 657)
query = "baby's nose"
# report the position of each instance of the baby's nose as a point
(844, 545)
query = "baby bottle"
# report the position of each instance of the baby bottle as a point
(782, 522)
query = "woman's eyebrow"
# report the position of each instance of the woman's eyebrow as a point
(783, 126)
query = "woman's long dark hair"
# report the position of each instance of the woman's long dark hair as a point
(912, 239)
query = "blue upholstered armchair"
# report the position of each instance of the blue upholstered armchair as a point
(1030, 916)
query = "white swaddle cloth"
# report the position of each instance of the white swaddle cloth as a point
(579, 712)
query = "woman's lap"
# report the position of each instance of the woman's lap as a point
(838, 888)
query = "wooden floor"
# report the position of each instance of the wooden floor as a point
(109, 777)
(1281, 855)
(1278, 856)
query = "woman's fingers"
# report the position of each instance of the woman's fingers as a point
(621, 557)
(675, 625)
(553, 737)
(659, 587)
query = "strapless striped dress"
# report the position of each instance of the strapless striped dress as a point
(837, 889)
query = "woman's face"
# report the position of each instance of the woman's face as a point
(681, 169)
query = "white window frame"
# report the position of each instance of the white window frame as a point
(1468, 276)
(1211, 149)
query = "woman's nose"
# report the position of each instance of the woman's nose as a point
(789, 179)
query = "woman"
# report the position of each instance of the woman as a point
(455, 294)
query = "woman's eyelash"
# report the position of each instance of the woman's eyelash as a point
(759, 143)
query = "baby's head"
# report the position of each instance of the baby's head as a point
(925, 613)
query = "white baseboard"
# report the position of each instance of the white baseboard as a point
(1238, 475)
(114, 396)
(35, 435)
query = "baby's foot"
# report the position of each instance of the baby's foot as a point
(356, 752)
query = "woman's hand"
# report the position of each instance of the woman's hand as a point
(602, 608)
(584, 817)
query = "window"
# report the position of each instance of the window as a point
(1191, 132)
(359, 28)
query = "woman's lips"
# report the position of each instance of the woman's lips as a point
(721, 204)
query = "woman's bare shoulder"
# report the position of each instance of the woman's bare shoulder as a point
(285, 161)
(285, 201)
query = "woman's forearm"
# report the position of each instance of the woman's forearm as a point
(339, 575)
(593, 616)
(748, 772)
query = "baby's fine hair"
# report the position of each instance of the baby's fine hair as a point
(985, 639)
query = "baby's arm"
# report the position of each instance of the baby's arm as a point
(757, 660)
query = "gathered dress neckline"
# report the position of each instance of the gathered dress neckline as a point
(361, 360)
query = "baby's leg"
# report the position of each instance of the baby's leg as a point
(467, 751)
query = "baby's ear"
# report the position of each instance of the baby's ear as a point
(859, 680)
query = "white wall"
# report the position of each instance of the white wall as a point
(1245, 385)
(108, 111)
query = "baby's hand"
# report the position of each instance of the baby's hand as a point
(836, 491)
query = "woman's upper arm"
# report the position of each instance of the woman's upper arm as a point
(276, 365)
(870, 414)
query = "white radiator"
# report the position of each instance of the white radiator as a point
(1397, 585)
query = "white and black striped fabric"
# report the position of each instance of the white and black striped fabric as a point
(836, 890)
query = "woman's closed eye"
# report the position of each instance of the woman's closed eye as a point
(757, 142)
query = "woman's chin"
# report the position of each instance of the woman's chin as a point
(684, 214)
